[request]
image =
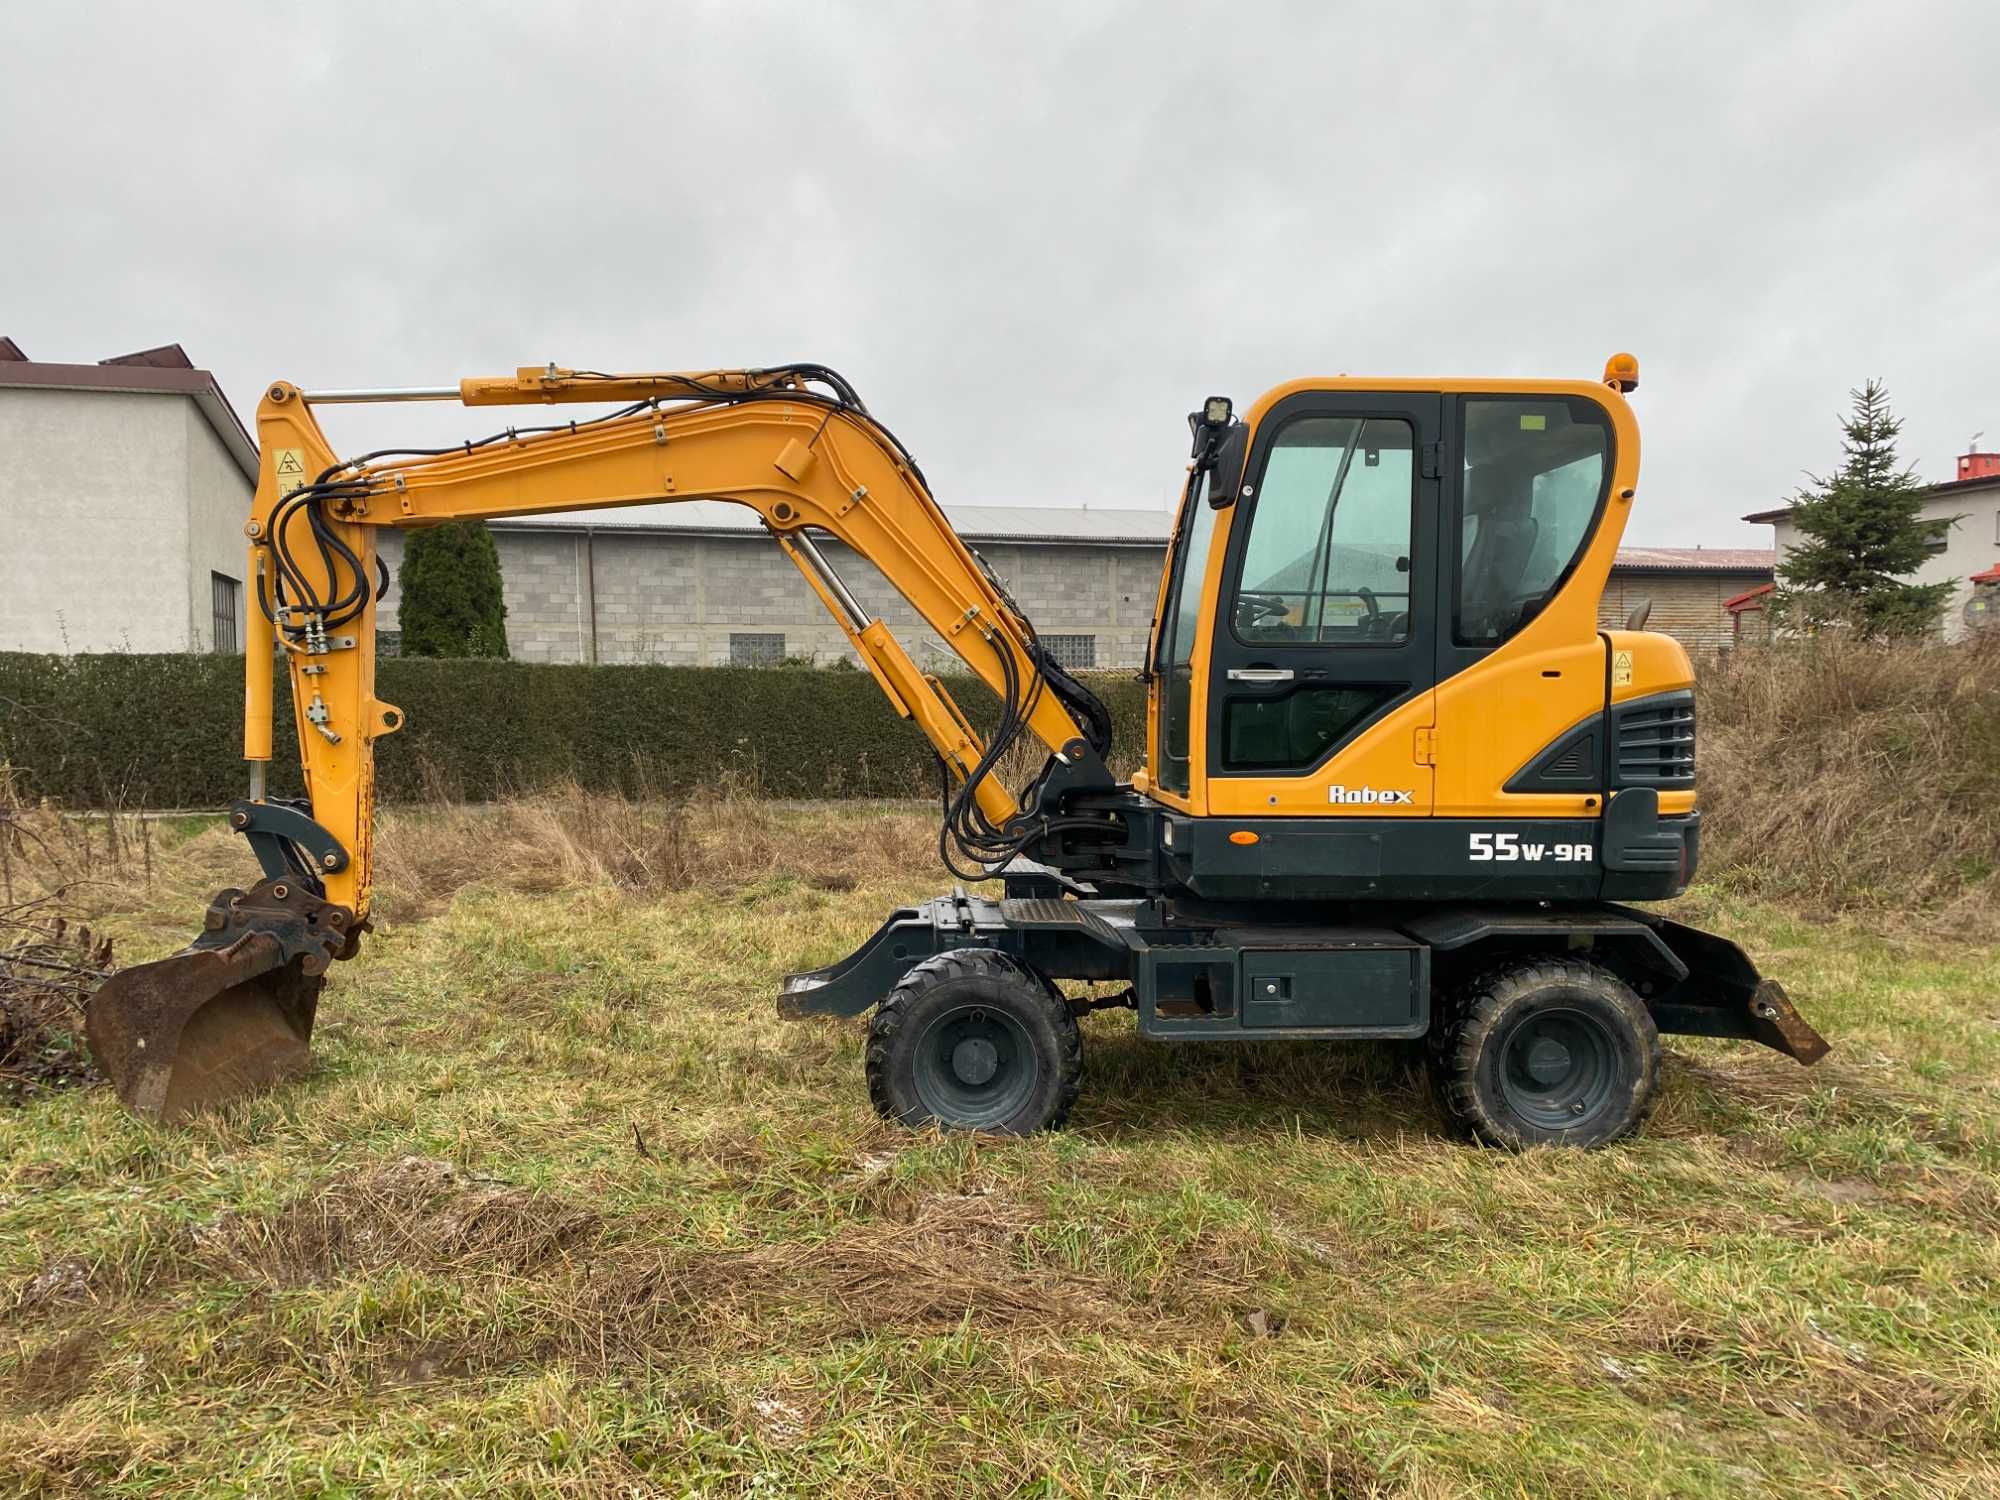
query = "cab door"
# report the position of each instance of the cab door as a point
(1323, 651)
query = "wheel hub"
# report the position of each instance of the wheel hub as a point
(1548, 1060)
(975, 1066)
(1558, 1069)
(975, 1060)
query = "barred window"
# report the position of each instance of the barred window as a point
(225, 602)
(756, 648)
(1071, 652)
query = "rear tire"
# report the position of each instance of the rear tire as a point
(974, 1039)
(1544, 1051)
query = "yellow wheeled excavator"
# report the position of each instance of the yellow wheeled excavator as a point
(1397, 783)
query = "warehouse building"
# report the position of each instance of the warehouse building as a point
(123, 489)
(699, 583)
(1965, 515)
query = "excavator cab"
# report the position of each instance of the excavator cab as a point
(1397, 782)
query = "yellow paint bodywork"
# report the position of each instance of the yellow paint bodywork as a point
(795, 463)
(803, 468)
(1458, 744)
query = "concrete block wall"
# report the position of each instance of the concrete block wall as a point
(677, 598)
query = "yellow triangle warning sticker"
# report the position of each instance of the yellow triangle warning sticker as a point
(291, 470)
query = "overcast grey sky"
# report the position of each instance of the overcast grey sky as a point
(1035, 235)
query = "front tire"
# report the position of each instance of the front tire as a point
(1544, 1051)
(974, 1039)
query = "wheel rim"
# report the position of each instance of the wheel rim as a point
(975, 1065)
(1558, 1068)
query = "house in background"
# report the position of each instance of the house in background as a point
(124, 486)
(1966, 510)
(123, 490)
(1687, 591)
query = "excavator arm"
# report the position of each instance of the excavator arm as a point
(793, 443)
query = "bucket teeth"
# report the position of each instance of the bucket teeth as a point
(229, 1014)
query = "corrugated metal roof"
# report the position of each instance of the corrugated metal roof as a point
(977, 523)
(1696, 559)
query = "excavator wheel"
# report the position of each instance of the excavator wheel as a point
(1544, 1051)
(974, 1039)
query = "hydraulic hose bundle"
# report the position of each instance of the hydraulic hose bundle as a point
(968, 841)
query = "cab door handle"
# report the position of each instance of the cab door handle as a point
(1260, 674)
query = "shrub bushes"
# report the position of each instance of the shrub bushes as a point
(166, 731)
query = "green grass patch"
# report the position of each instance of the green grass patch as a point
(565, 1209)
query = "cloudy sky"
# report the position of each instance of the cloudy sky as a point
(1035, 235)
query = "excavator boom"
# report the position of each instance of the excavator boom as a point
(793, 443)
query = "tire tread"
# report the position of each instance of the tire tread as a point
(1468, 1014)
(892, 1015)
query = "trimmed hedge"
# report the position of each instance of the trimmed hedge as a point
(166, 731)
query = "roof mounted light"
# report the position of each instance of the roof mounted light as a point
(1621, 372)
(1217, 410)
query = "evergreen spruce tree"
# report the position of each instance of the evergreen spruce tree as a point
(1862, 532)
(451, 601)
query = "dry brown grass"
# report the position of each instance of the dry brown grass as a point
(1855, 775)
(567, 838)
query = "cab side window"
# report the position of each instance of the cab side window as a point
(1328, 560)
(1535, 475)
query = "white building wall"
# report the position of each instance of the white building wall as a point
(93, 521)
(218, 503)
(1972, 545)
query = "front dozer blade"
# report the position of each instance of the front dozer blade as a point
(230, 1014)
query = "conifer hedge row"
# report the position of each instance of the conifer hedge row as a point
(166, 731)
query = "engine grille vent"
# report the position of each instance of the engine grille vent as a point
(1655, 740)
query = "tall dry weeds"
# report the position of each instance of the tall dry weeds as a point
(1848, 774)
(45, 849)
(566, 837)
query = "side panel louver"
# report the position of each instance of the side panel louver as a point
(1653, 741)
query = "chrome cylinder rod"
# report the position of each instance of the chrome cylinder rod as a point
(856, 615)
(387, 393)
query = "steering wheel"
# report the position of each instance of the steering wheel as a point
(1264, 609)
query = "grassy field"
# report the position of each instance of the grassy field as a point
(566, 1210)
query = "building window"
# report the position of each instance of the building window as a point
(1939, 539)
(756, 649)
(225, 602)
(1073, 653)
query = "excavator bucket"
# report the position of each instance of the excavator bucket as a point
(229, 1014)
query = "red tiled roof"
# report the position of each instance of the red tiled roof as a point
(11, 351)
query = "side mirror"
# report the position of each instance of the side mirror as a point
(1225, 473)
